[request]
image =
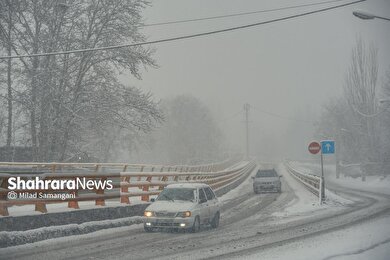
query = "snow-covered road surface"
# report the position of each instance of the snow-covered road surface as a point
(364, 241)
(250, 223)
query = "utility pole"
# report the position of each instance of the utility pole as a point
(246, 109)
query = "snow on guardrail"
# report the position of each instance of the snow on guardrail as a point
(124, 184)
(310, 181)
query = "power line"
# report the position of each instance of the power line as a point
(230, 117)
(282, 117)
(181, 37)
(238, 14)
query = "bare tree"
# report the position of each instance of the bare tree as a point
(6, 26)
(189, 135)
(361, 94)
(355, 119)
(65, 95)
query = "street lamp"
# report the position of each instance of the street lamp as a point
(368, 16)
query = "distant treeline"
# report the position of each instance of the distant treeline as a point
(15, 154)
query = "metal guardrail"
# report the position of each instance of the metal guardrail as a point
(144, 181)
(311, 182)
(38, 167)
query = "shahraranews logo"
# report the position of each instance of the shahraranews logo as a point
(17, 183)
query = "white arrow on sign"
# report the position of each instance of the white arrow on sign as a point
(327, 147)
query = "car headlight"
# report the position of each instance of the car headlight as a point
(184, 214)
(148, 213)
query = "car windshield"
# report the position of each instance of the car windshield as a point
(173, 194)
(261, 174)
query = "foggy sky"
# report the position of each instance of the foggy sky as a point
(289, 68)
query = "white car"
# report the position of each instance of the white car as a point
(183, 206)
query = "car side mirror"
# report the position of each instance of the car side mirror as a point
(152, 200)
(253, 177)
(202, 201)
(280, 176)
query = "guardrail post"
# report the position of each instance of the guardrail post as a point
(146, 188)
(3, 207)
(3, 210)
(125, 198)
(164, 179)
(41, 207)
(53, 168)
(74, 203)
(141, 170)
(100, 191)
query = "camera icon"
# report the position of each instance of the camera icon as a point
(12, 195)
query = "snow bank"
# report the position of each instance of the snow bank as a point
(29, 210)
(306, 202)
(379, 184)
(12, 238)
(22, 223)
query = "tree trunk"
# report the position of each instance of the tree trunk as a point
(9, 88)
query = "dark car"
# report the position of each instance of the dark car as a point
(266, 181)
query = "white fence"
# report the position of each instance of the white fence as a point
(311, 182)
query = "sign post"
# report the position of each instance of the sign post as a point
(326, 147)
(322, 196)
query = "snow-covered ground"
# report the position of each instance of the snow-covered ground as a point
(8, 238)
(380, 184)
(306, 203)
(366, 241)
(63, 207)
(300, 230)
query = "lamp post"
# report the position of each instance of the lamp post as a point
(368, 16)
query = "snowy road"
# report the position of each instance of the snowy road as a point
(250, 223)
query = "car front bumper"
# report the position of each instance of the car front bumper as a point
(157, 222)
(266, 187)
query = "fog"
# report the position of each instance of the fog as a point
(289, 68)
(182, 101)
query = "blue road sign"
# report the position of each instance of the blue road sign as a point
(327, 147)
